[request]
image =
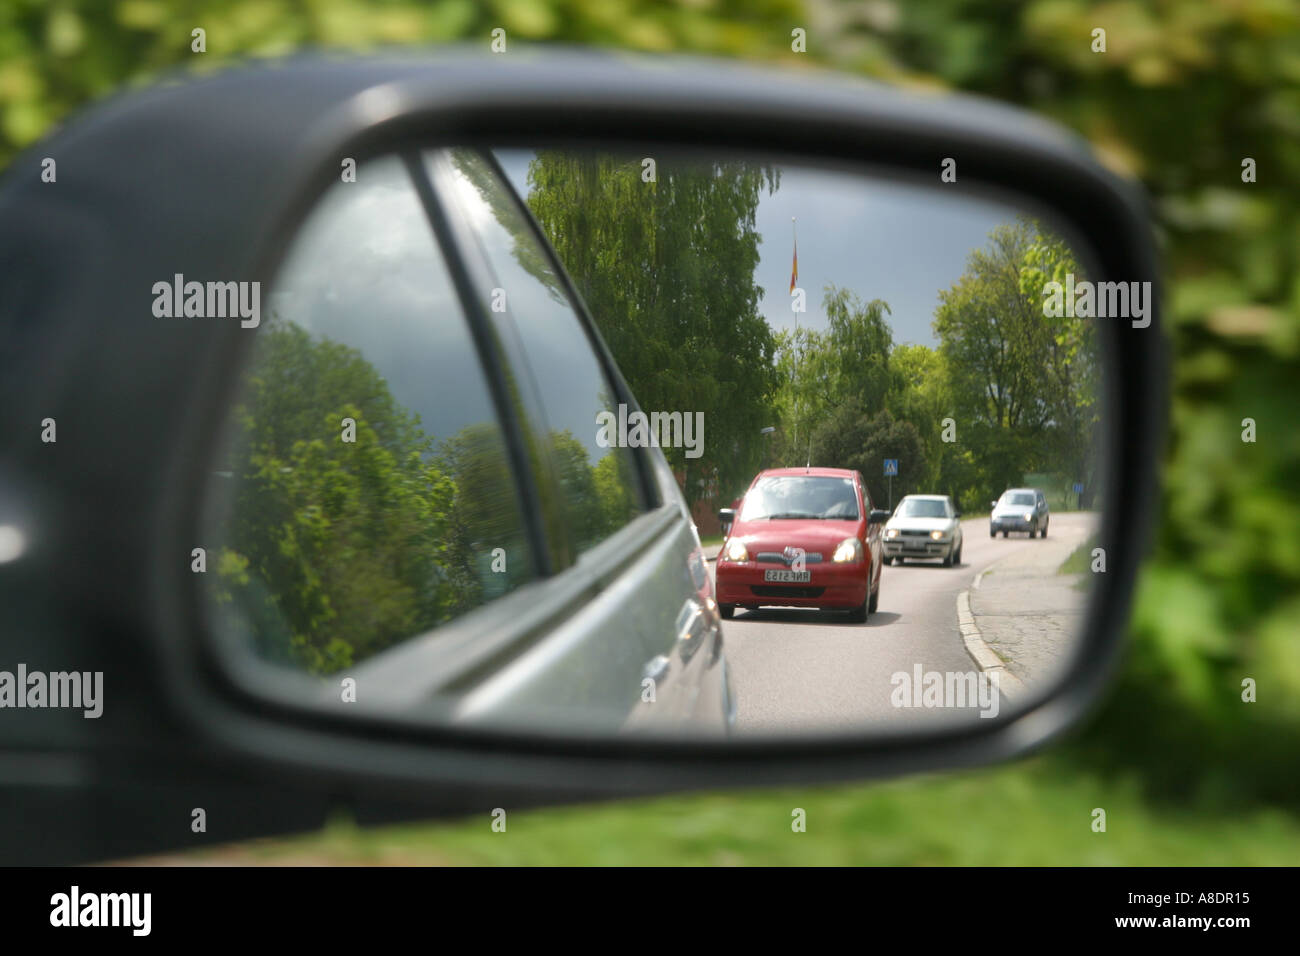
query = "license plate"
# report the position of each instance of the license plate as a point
(788, 577)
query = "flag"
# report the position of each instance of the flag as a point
(794, 270)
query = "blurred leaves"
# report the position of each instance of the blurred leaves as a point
(57, 55)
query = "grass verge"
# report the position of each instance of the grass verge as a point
(1080, 559)
(1038, 812)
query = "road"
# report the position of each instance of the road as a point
(799, 670)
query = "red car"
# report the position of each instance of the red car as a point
(804, 537)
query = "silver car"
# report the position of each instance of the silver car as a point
(924, 526)
(1020, 509)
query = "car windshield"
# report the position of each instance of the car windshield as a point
(923, 508)
(1022, 498)
(801, 496)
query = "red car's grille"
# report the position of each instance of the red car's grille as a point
(778, 557)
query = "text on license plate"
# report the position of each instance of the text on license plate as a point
(788, 577)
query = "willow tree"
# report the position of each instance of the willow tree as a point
(666, 262)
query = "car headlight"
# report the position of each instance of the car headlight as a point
(889, 533)
(936, 535)
(736, 550)
(850, 549)
(1029, 516)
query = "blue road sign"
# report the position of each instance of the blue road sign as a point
(891, 466)
(1078, 488)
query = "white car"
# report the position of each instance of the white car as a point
(924, 526)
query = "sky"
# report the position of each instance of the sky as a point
(881, 239)
(366, 271)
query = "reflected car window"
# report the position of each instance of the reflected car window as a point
(599, 483)
(369, 493)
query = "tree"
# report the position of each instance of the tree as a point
(822, 372)
(851, 438)
(1022, 383)
(666, 268)
(1073, 376)
(919, 394)
(598, 498)
(860, 341)
(334, 550)
(807, 372)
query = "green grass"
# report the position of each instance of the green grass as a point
(1080, 559)
(713, 541)
(1038, 812)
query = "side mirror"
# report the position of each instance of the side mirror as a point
(957, 514)
(993, 504)
(499, 655)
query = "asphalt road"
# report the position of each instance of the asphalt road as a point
(801, 670)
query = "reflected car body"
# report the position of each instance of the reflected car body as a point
(637, 607)
(804, 537)
(1021, 510)
(923, 526)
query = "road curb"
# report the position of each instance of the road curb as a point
(983, 655)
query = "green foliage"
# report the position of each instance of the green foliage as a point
(612, 482)
(807, 371)
(1022, 384)
(1007, 391)
(1184, 94)
(921, 393)
(841, 373)
(1080, 559)
(666, 268)
(337, 549)
(598, 497)
(850, 438)
(860, 341)
(57, 56)
(482, 519)
(1032, 814)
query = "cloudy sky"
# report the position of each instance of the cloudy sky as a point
(366, 271)
(884, 240)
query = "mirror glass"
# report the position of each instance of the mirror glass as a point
(440, 494)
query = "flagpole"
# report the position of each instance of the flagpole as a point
(798, 360)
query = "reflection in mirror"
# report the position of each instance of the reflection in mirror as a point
(834, 467)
